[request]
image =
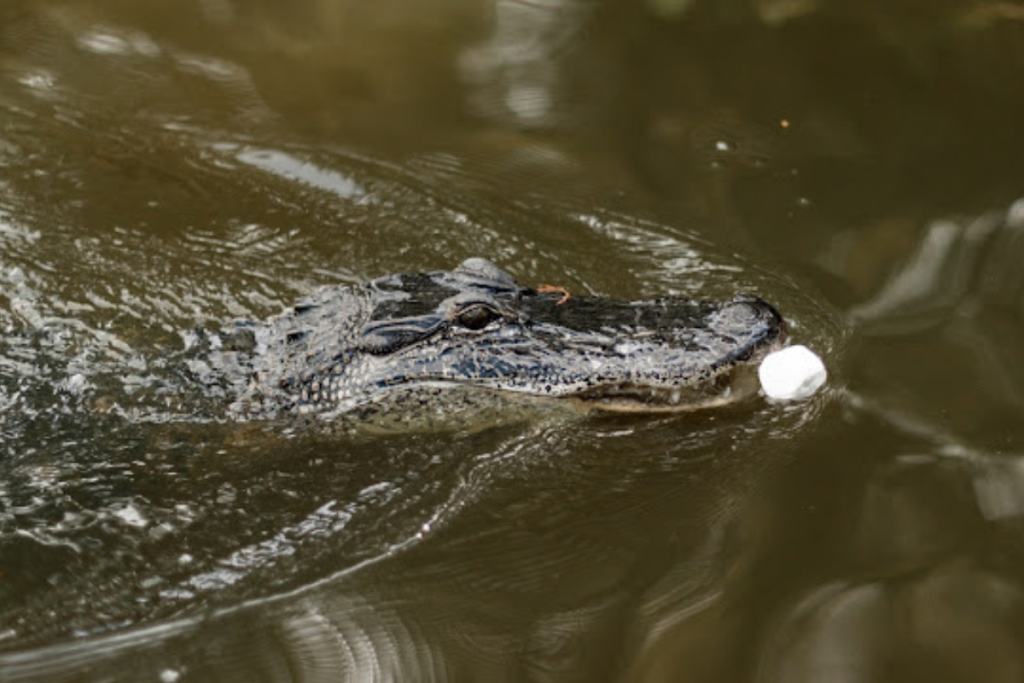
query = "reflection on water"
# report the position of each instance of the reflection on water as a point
(931, 591)
(167, 169)
(487, 574)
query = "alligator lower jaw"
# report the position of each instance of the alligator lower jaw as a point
(726, 389)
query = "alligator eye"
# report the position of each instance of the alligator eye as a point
(477, 317)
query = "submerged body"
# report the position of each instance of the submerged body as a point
(477, 327)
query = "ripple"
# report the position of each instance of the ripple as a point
(290, 168)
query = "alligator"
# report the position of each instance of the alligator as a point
(477, 327)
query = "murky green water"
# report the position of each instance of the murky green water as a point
(167, 167)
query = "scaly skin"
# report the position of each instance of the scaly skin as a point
(348, 346)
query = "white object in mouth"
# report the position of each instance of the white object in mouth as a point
(792, 373)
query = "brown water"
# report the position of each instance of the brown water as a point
(172, 166)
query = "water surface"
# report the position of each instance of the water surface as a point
(168, 168)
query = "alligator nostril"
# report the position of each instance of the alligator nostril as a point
(745, 312)
(745, 316)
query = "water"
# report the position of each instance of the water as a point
(172, 167)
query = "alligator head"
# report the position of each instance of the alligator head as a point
(476, 326)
